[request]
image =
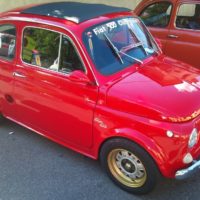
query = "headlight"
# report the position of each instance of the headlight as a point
(187, 158)
(193, 138)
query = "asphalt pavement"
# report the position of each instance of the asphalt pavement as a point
(34, 168)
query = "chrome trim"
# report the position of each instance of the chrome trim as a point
(159, 50)
(186, 173)
(17, 74)
(60, 48)
(46, 22)
(172, 36)
(61, 34)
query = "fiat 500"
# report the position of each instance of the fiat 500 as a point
(92, 78)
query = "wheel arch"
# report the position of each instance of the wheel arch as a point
(144, 142)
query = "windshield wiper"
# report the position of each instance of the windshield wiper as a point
(117, 52)
(139, 43)
(131, 46)
(137, 60)
(114, 48)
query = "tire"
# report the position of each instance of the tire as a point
(129, 166)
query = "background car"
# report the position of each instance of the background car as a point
(177, 24)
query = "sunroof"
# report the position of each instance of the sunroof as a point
(76, 12)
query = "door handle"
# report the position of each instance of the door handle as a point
(172, 36)
(19, 75)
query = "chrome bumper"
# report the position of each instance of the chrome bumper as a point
(186, 173)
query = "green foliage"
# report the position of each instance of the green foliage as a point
(47, 42)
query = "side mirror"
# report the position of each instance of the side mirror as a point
(79, 77)
(159, 43)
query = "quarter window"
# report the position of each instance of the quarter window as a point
(188, 16)
(7, 41)
(50, 50)
(157, 14)
(69, 59)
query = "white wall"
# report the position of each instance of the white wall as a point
(9, 4)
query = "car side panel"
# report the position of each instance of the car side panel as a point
(161, 34)
(48, 102)
(7, 68)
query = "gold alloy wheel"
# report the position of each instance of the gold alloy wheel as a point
(127, 168)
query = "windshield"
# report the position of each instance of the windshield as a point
(118, 44)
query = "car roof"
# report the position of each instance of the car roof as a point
(73, 11)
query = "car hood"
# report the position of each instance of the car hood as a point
(162, 89)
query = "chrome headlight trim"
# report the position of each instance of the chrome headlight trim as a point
(193, 138)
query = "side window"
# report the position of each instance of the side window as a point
(188, 16)
(157, 14)
(7, 41)
(69, 59)
(41, 48)
(50, 50)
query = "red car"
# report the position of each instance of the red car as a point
(91, 77)
(177, 24)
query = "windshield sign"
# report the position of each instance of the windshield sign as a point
(118, 44)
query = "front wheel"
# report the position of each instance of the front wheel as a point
(129, 166)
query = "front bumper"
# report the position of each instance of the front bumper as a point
(186, 173)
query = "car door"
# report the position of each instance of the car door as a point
(184, 36)
(8, 33)
(46, 99)
(156, 15)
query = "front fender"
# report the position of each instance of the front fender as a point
(149, 134)
(145, 142)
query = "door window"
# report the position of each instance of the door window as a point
(7, 41)
(188, 16)
(69, 59)
(40, 47)
(50, 50)
(157, 14)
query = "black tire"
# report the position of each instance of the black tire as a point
(129, 166)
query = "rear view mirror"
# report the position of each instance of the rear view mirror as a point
(79, 77)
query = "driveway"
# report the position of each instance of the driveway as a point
(34, 168)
